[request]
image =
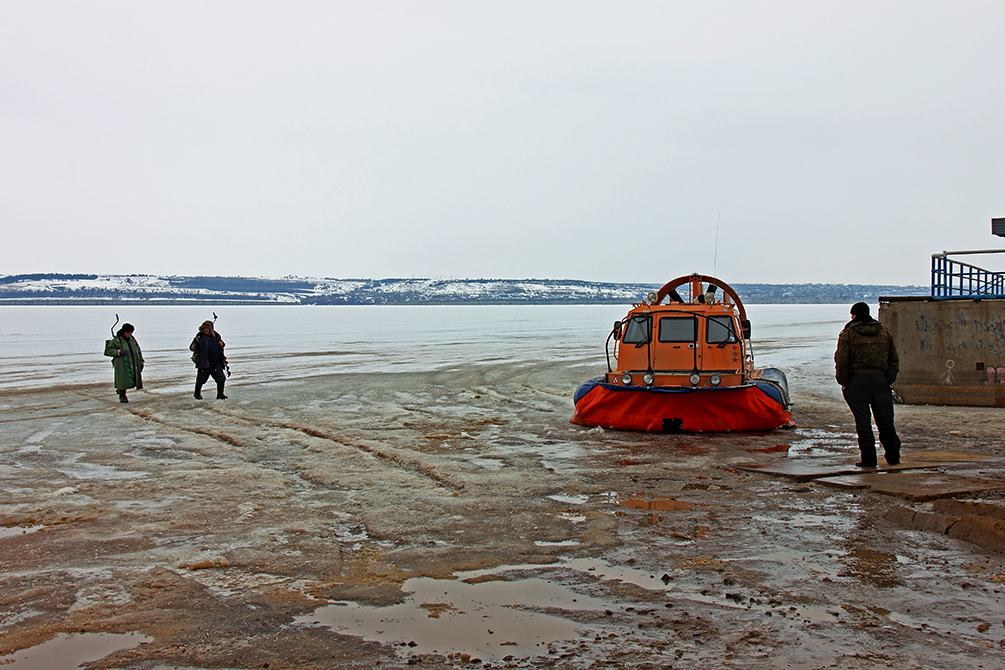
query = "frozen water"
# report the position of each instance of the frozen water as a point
(63, 345)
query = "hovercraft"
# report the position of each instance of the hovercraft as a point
(683, 363)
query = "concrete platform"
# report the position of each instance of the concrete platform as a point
(914, 486)
(807, 469)
(919, 484)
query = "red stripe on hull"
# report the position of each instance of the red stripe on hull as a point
(741, 409)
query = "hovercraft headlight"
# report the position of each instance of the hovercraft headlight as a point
(626, 379)
(648, 378)
(715, 380)
(694, 378)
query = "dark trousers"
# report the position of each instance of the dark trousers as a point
(871, 393)
(203, 375)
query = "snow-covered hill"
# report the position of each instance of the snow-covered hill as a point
(90, 289)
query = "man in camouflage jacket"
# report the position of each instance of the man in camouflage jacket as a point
(866, 364)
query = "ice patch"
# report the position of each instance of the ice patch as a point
(37, 438)
(104, 594)
(561, 543)
(247, 510)
(571, 499)
(154, 443)
(14, 531)
(491, 464)
(348, 534)
(83, 470)
(16, 618)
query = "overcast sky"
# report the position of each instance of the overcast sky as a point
(835, 142)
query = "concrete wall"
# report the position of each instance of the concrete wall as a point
(946, 347)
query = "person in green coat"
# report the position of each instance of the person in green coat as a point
(127, 360)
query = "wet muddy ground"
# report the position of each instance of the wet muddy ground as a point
(456, 518)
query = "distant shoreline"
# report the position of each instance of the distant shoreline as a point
(59, 302)
(64, 289)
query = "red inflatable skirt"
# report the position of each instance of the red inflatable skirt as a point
(749, 408)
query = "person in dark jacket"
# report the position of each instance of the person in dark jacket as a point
(127, 360)
(866, 364)
(209, 359)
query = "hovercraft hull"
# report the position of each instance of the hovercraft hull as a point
(754, 407)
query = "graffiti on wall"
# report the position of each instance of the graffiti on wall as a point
(960, 337)
(947, 378)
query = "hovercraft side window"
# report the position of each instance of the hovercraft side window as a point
(678, 329)
(637, 330)
(720, 330)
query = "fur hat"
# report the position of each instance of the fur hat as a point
(209, 324)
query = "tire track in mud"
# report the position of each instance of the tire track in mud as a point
(149, 415)
(386, 457)
(61, 415)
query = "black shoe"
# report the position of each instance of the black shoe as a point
(221, 397)
(860, 464)
(123, 398)
(198, 396)
(897, 462)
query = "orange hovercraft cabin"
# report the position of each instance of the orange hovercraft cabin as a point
(685, 366)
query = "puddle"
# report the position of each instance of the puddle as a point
(490, 619)
(14, 531)
(877, 568)
(801, 520)
(812, 564)
(68, 652)
(822, 614)
(491, 614)
(781, 448)
(657, 504)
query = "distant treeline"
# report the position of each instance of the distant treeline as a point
(823, 293)
(13, 279)
(102, 289)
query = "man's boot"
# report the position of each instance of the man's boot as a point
(122, 396)
(219, 391)
(198, 392)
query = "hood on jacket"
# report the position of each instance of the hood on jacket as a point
(868, 328)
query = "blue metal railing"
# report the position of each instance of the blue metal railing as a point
(953, 279)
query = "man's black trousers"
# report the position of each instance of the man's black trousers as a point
(202, 377)
(871, 393)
